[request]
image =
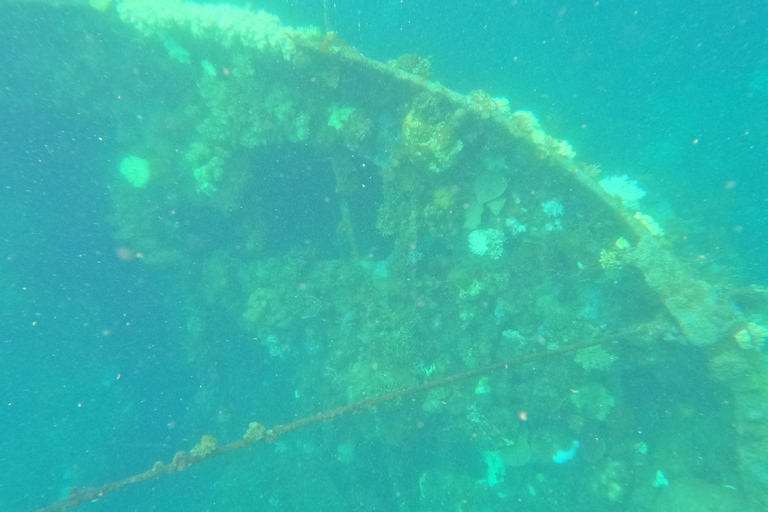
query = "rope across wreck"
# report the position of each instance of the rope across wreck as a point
(257, 433)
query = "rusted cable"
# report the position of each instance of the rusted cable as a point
(256, 432)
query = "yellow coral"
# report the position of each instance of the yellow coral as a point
(565, 149)
(255, 432)
(649, 223)
(622, 243)
(608, 260)
(444, 197)
(485, 106)
(101, 5)
(206, 446)
(435, 145)
(752, 336)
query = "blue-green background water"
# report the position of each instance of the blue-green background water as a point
(92, 375)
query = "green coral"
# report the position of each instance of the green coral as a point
(593, 400)
(135, 170)
(340, 116)
(208, 176)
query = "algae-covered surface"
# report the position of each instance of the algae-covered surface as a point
(212, 216)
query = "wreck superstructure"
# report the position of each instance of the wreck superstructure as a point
(462, 234)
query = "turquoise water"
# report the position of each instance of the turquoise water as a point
(110, 361)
